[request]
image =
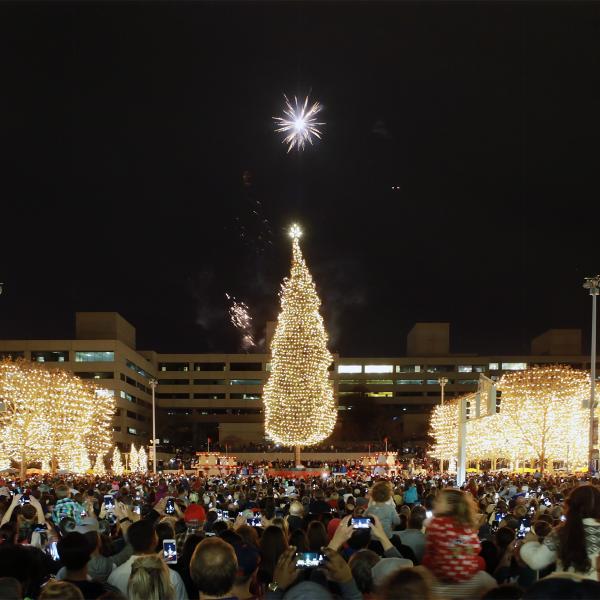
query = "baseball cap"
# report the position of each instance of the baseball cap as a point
(88, 524)
(248, 559)
(387, 566)
(194, 512)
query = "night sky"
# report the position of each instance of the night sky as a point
(141, 173)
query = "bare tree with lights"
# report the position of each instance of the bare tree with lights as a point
(544, 408)
(298, 396)
(23, 427)
(48, 414)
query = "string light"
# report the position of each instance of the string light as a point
(542, 419)
(134, 465)
(117, 462)
(298, 396)
(49, 413)
(142, 460)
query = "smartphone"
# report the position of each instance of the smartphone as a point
(170, 552)
(137, 510)
(361, 522)
(563, 518)
(109, 502)
(225, 515)
(428, 514)
(523, 531)
(52, 550)
(254, 521)
(309, 560)
(170, 506)
(547, 502)
(500, 516)
(24, 499)
(219, 514)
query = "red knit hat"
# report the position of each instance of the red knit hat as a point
(194, 512)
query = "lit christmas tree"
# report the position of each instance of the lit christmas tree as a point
(298, 396)
(142, 460)
(117, 463)
(99, 468)
(134, 465)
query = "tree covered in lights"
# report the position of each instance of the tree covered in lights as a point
(48, 414)
(544, 407)
(542, 419)
(117, 462)
(23, 432)
(298, 396)
(134, 466)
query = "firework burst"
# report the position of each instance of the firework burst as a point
(299, 123)
(240, 318)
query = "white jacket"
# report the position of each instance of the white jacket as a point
(539, 556)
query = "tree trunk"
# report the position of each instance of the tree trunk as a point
(297, 456)
(23, 466)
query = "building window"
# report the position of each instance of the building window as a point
(408, 369)
(132, 430)
(439, 368)
(95, 374)
(122, 376)
(493, 366)
(131, 414)
(94, 356)
(379, 382)
(11, 354)
(245, 396)
(465, 368)
(409, 381)
(467, 382)
(138, 370)
(210, 382)
(131, 381)
(50, 355)
(209, 396)
(209, 366)
(167, 396)
(117, 412)
(116, 428)
(174, 382)
(245, 382)
(349, 368)
(379, 368)
(514, 366)
(351, 381)
(379, 394)
(164, 366)
(268, 367)
(479, 368)
(245, 366)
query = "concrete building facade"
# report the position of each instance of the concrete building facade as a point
(220, 395)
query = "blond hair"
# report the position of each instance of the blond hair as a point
(461, 507)
(150, 580)
(61, 590)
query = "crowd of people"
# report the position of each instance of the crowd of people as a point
(250, 537)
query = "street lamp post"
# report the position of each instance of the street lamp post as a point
(592, 284)
(442, 381)
(153, 384)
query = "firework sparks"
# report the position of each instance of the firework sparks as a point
(299, 123)
(240, 318)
